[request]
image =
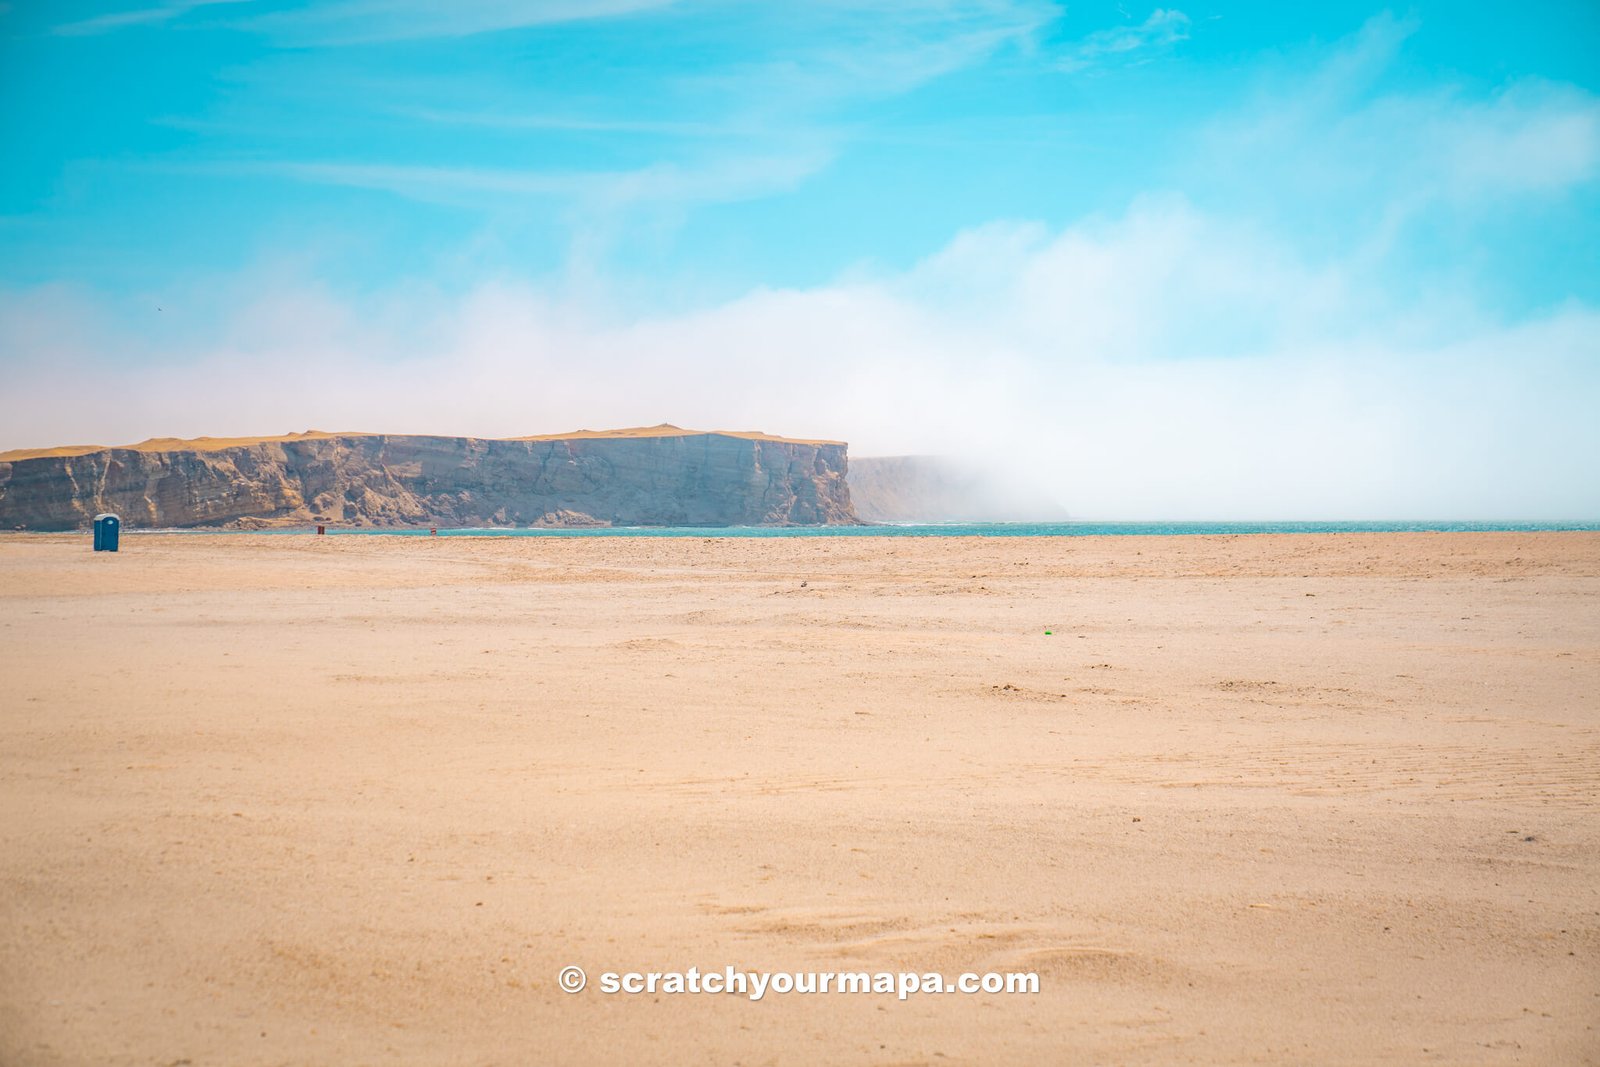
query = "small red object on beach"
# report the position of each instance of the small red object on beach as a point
(321, 529)
(433, 531)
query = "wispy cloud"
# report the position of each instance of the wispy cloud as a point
(850, 50)
(511, 120)
(727, 179)
(817, 61)
(1332, 135)
(1164, 28)
(738, 129)
(1531, 137)
(369, 21)
(135, 17)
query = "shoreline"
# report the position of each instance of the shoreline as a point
(1077, 528)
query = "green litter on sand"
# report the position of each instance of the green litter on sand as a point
(1047, 633)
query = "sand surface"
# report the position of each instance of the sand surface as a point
(344, 800)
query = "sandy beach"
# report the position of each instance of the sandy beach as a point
(347, 800)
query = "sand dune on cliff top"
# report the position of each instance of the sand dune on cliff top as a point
(666, 429)
(216, 444)
(172, 444)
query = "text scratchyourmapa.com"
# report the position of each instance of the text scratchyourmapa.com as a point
(755, 985)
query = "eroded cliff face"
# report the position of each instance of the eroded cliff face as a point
(658, 477)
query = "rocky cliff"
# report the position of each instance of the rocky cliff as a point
(655, 476)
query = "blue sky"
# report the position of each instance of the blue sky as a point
(1228, 260)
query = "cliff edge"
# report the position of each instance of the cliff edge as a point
(650, 476)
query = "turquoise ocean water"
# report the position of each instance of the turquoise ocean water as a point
(981, 529)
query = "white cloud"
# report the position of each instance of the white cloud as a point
(1333, 138)
(1094, 361)
(1532, 137)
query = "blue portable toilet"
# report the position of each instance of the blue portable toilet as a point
(106, 528)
